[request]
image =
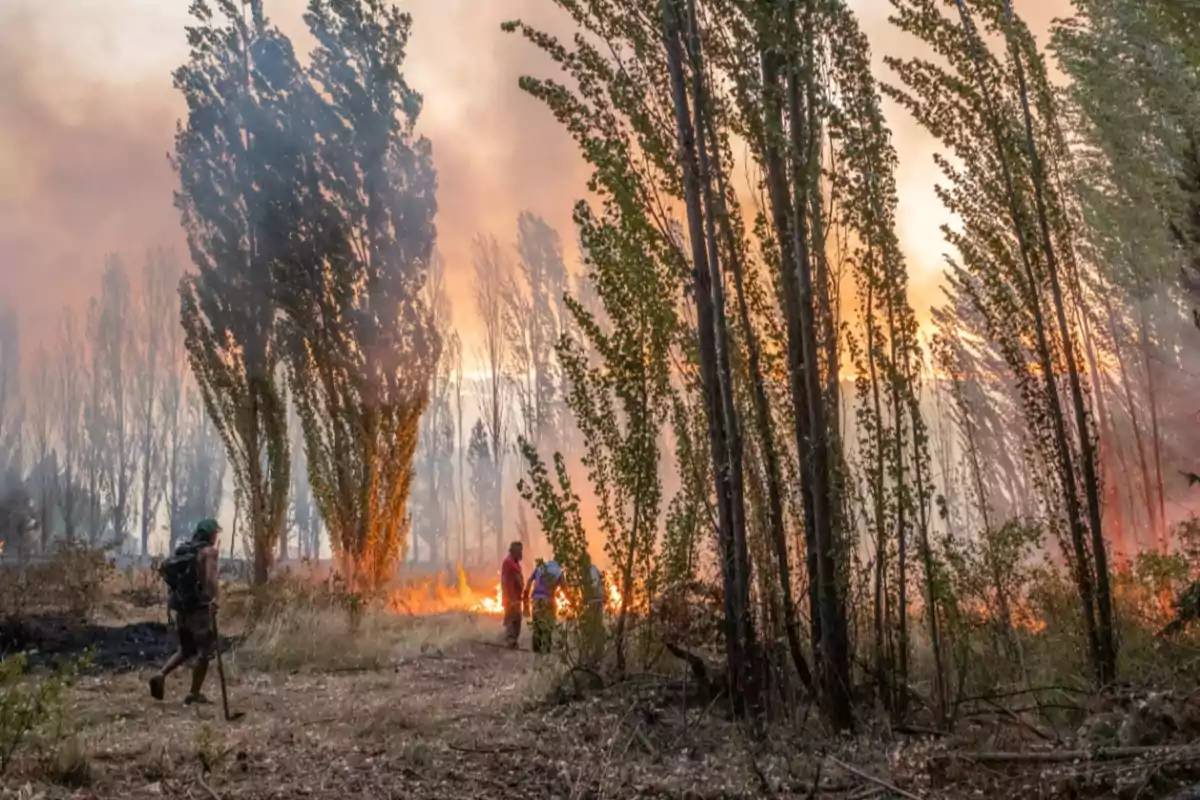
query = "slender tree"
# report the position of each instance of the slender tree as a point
(11, 403)
(235, 170)
(1015, 219)
(113, 429)
(155, 321)
(493, 275)
(363, 349)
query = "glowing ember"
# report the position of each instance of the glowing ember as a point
(614, 598)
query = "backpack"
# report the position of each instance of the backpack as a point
(181, 572)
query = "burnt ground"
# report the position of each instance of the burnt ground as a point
(451, 715)
(51, 640)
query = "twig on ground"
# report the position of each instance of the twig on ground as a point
(207, 789)
(867, 792)
(764, 785)
(891, 787)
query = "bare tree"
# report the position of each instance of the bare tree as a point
(70, 401)
(11, 406)
(493, 275)
(434, 493)
(155, 320)
(43, 475)
(112, 429)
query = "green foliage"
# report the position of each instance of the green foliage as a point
(1017, 265)
(30, 702)
(557, 507)
(618, 373)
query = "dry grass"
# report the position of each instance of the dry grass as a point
(324, 638)
(318, 639)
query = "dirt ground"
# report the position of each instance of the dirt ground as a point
(454, 715)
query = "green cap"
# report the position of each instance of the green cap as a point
(207, 529)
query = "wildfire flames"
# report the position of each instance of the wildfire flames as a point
(495, 603)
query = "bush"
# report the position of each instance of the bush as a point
(28, 703)
(71, 580)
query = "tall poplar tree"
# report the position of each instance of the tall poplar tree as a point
(235, 159)
(1017, 251)
(363, 347)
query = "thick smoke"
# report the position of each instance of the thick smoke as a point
(87, 114)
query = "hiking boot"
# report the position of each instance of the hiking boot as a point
(196, 700)
(157, 687)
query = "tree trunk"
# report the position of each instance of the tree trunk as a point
(741, 554)
(1106, 665)
(1134, 418)
(718, 424)
(834, 652)
(1161, 532)
(762, 411)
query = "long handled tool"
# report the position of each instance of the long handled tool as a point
(221, 674)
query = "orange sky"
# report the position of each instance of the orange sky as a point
(87, 113)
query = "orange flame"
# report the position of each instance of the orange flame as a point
(495, 604)
(490, 605)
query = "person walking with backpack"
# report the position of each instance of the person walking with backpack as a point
(192, 585)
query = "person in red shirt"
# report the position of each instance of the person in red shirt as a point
(512, 584)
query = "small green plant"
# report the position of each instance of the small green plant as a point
(66, 762)
(208, 748)
(28, 703)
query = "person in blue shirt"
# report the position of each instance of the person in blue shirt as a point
(541, 588)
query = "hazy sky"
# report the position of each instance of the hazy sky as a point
(87, 114)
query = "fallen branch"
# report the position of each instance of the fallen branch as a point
(891, 787)
(917, 730)
(1060, 756)
(697, 665)
(1018, 692)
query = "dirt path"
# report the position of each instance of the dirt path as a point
(451, 719)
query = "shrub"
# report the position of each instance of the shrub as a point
(28, 703)
(71, 580)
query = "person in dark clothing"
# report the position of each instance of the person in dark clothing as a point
(512, 586)
(195, 623)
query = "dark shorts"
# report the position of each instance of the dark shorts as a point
(197, 634)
